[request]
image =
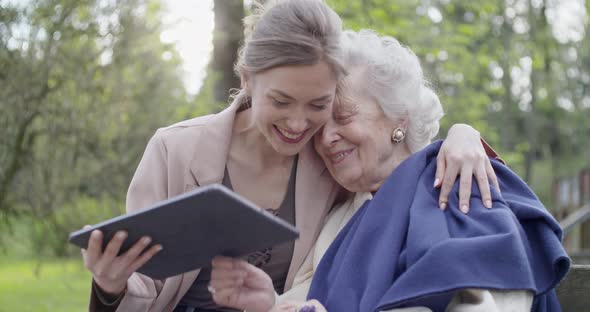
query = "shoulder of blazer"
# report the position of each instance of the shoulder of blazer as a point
(184, 127)
(189, 131)
(199, 144)
(185, 135)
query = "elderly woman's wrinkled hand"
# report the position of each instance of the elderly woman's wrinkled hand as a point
(238, 284)
(463, 154)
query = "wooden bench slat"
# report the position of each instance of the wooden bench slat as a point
(574, 291)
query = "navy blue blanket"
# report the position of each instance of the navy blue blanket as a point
(400, 250)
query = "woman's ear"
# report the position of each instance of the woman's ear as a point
(404, 121)
(245, 81)
(400, 122)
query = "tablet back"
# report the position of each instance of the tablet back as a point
(193, 228)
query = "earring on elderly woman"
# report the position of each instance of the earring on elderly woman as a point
(398, 135)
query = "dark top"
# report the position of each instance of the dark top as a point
(274, 261)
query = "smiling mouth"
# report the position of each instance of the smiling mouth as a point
(290, 137)
(339, 157)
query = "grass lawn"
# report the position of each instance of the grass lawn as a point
(50, 285)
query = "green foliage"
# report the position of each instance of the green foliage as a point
(83, 85)
(49, 285)
(462, 43)
(48, 236)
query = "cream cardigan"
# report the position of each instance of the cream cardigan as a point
(466, 300)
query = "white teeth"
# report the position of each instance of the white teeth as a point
(289, 135)
(339, 156)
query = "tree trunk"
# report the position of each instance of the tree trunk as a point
(227, 36)
(508, 106)
(530, 116)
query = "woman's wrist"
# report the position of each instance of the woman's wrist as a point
(108, 297)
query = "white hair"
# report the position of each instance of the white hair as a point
(394, 78)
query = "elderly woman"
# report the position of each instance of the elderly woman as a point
(385, 248)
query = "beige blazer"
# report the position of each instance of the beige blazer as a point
(464, 300)
(193, 153)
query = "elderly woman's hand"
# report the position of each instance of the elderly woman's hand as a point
(237, 284)
(462, 154)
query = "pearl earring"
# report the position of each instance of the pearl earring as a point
(398, 135)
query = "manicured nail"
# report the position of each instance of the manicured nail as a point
(443, 206)
(488, 203)
(436, 181)
(464, 208)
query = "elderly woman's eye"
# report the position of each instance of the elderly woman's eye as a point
(342, 118)
(344, 111)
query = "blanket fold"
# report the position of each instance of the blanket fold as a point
(400, 250)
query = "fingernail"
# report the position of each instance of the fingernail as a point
(159, 248)
(488, 203)
(464, 208)
(121, 235)
(436, 182)
(443, 206)
(146, 240)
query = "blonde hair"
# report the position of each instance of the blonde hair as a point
(290, 32)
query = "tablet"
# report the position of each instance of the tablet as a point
(195, 227)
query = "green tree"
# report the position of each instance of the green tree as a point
(84, 84)
(499, 66)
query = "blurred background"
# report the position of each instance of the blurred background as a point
(85, 83)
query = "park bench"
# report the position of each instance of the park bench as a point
(574, 291)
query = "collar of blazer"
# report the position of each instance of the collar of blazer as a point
(209, 159)
(314, 187)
